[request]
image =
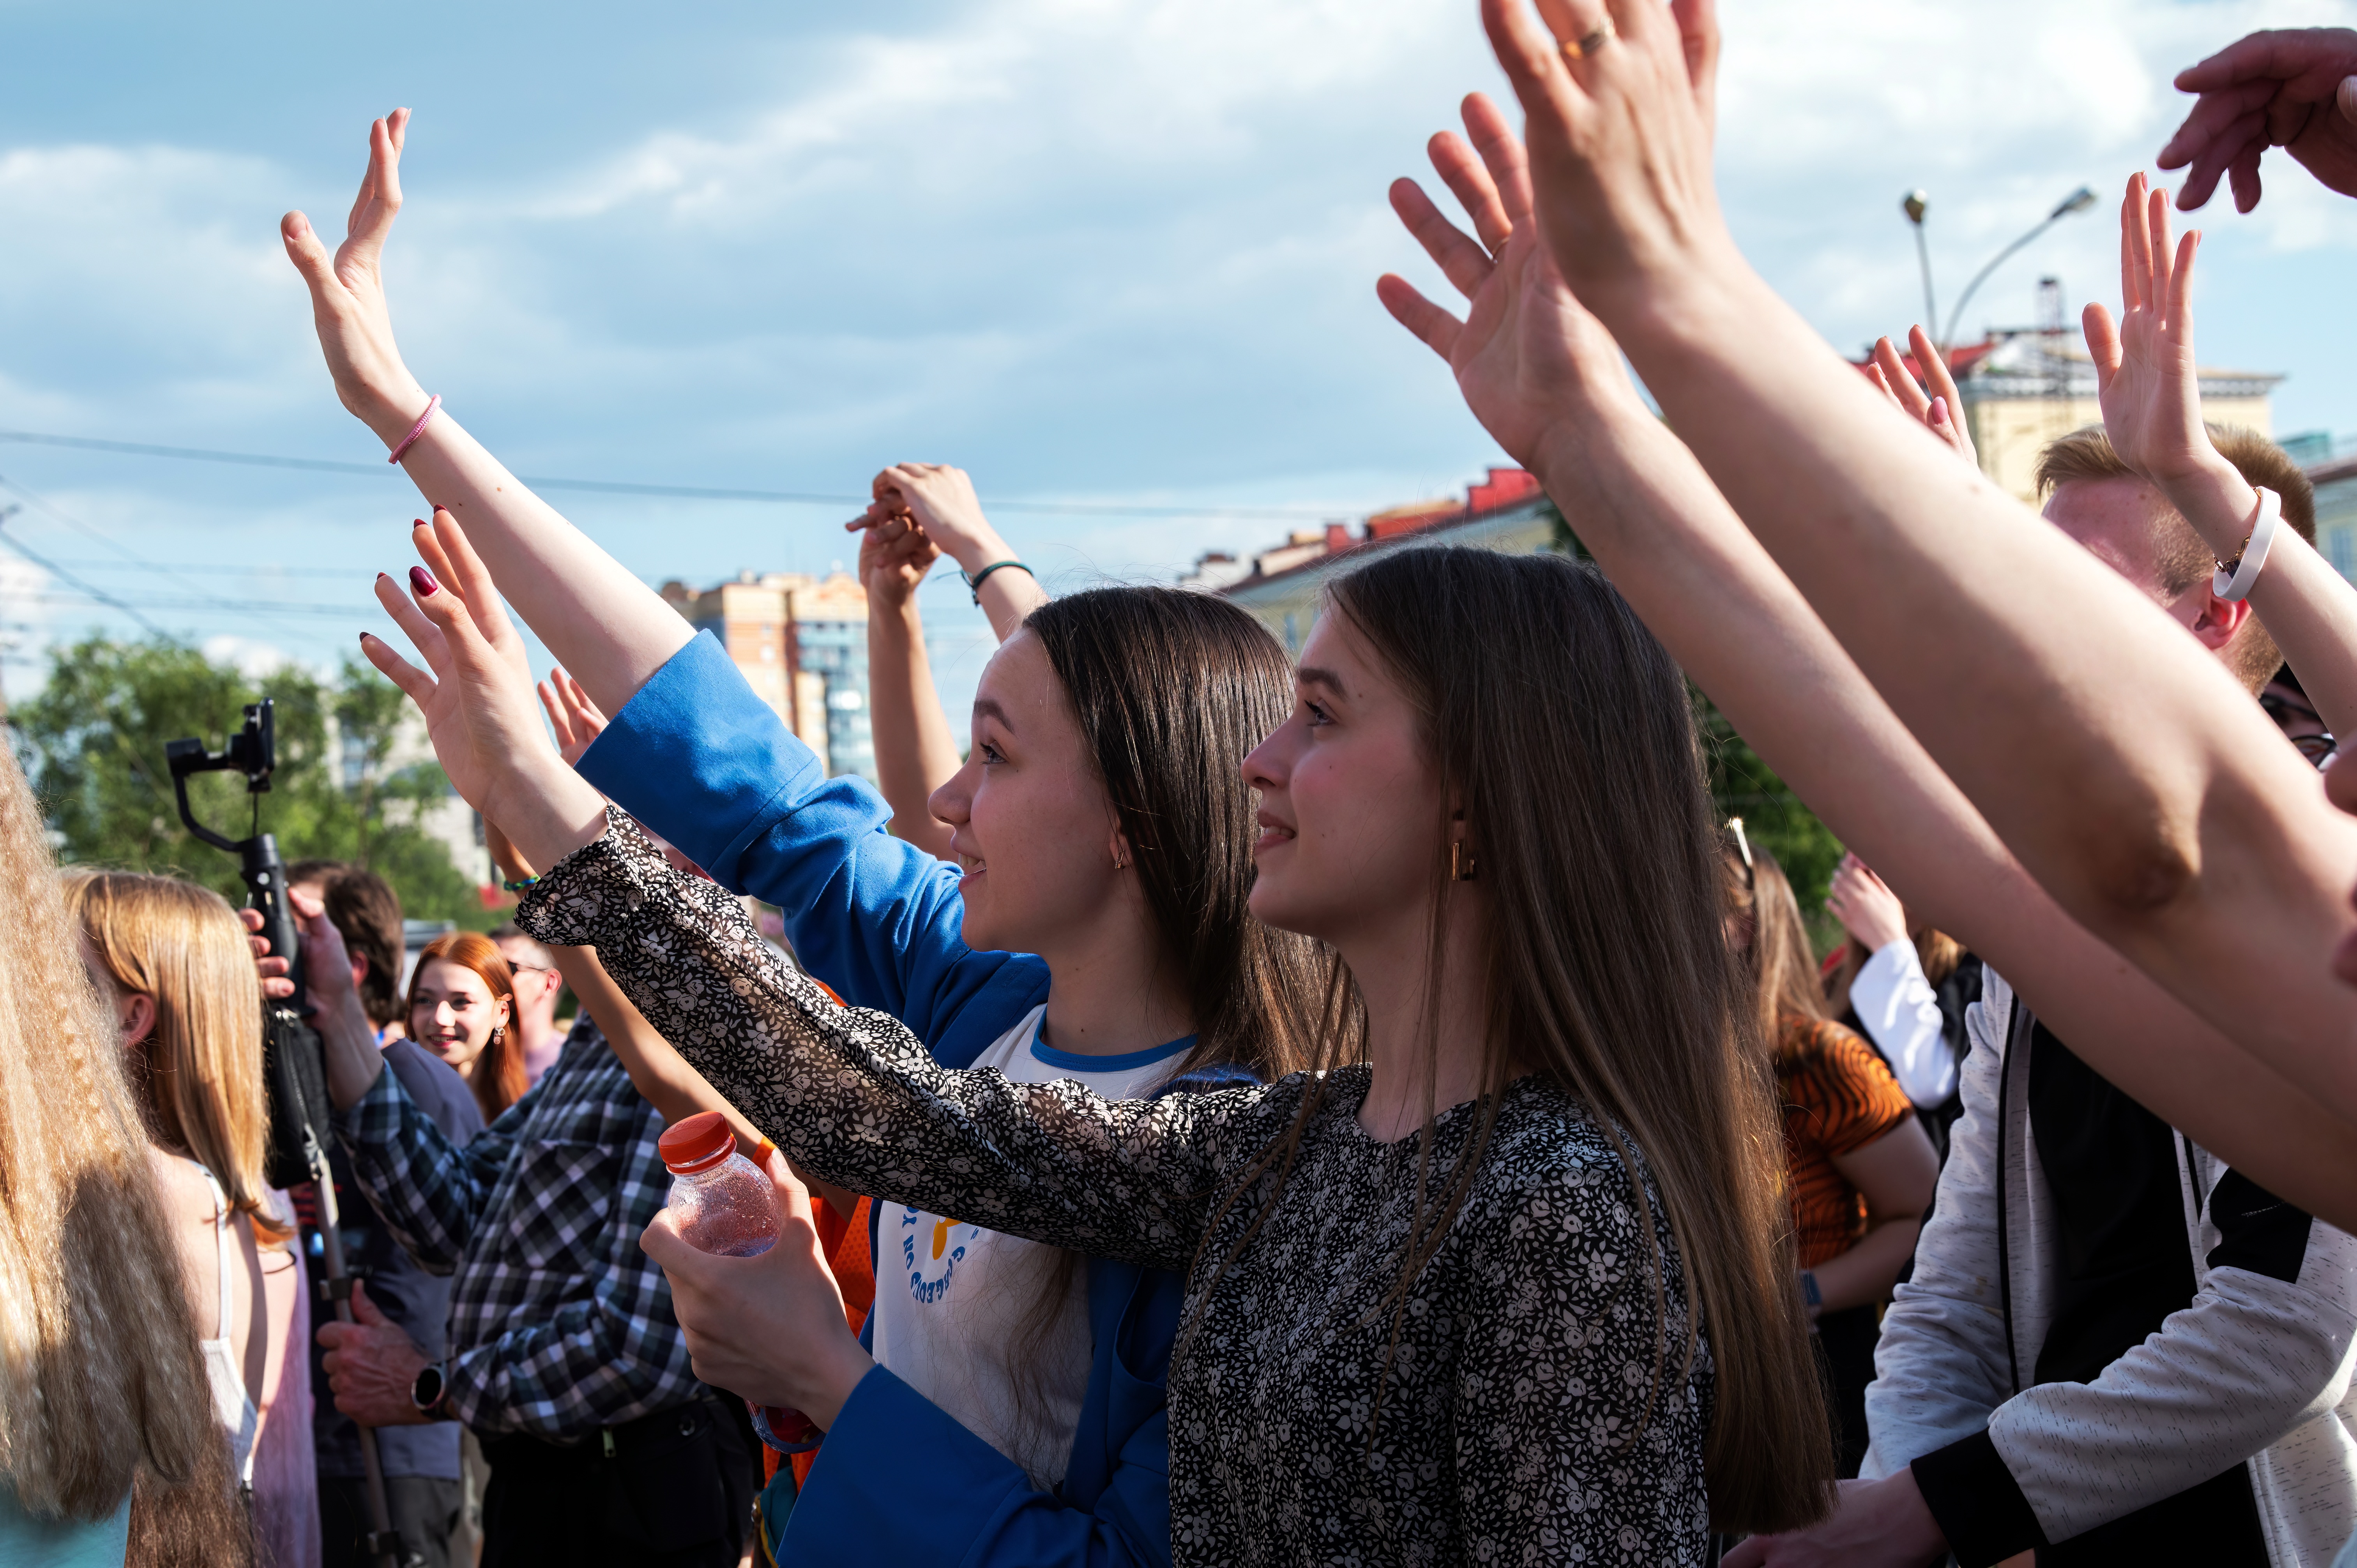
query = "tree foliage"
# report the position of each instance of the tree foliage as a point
(94, 744)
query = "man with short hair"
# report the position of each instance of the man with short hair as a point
(2113, 1348)
(537, 983)
(2124, 519)
(423, 1491)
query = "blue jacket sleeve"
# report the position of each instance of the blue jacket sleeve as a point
(702, 761)
(898, 1480)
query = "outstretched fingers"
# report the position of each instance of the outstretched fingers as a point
(463, 569)
(1934, 366)
(379, 201)
(414, 683)
(1437, 329)
(423, 634)
(1912, 401)
(1534, 64)
(1503, 155)
(2104, 344)
(1465, 262)
(1468, 179)
(1697, 22)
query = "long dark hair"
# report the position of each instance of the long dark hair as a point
(1565, 731)
(1172, 691)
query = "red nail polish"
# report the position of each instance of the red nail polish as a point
(419, 522)
(423, 581)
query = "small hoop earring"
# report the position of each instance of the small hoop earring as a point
(1462, 864)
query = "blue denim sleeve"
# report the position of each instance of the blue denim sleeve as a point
(891, 1448)
(704, 762)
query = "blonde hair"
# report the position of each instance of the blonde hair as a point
(2183, 558)
(98, 1372)
(183, 947)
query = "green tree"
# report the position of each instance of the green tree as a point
(94, 740)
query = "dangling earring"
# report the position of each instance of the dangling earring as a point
(499, 1033)
(1462, 864)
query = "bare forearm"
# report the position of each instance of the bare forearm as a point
(2308, 607)
(1735, 622)
(1868, 1270)
(2115, 757)
(914, 754)
(612, 632)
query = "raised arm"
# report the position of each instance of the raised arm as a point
(2289, 88)
(914, 753)
(940, 500)
(1545, 379)
(2117, 760)
(607, 628)
(2151, 395)
(848, 1093)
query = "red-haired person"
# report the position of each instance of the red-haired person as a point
(462, 1008)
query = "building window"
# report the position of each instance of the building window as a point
(2340, 549)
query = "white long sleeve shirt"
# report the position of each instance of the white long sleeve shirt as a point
(1901, 1015)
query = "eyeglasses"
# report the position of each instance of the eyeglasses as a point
(1743, 848)
(2317, 748)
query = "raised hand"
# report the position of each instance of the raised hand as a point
(348, 302)
(1865, 905)
(940, 500)
(2289, 88)
(2145, 375)
(577, 720)
(477, 700)
(1533, 365)
(895, 553)
(1620, 118)
(1939, 409)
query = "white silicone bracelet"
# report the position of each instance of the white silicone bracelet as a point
(2255, 554)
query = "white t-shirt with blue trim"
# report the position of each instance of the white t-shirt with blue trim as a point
(951, 1298)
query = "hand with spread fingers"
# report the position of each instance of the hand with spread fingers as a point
(2292, 87)
(1935, 403)
(348, 303)
(577, 720)
(2145, 375)
(1536, 369)
(478, 700)
(1619, 101)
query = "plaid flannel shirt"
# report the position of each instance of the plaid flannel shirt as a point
(559, 1324)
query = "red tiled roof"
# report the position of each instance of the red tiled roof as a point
(1961, 360)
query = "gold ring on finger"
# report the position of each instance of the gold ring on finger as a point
(1580, 48)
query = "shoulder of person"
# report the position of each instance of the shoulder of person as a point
(1546, 1149)
(435, 1086)
(1819, 1045)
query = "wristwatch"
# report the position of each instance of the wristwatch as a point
(431, 1387)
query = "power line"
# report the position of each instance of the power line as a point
(104, 597)
(611, 486)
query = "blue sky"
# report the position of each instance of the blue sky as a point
(1119, 255)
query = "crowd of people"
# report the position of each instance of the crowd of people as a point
(1363, 1107)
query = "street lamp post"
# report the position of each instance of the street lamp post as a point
(2078, 201)
(1915, 205)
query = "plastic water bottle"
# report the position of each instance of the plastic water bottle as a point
(725, 1204)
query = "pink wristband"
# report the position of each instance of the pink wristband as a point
(417, 430)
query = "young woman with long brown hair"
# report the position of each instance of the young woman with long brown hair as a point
(461, 1006)
(1504, 1279)
(172, 961)
(1859, 1168)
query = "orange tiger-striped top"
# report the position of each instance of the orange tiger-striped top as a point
(1838, 1097)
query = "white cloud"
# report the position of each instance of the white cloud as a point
(255, 658)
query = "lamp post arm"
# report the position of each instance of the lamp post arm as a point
(1956, 317)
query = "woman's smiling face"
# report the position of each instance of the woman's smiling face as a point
(1031, 826)
(453, 1013)
(1350, 803)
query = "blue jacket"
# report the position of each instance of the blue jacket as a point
(701, 760)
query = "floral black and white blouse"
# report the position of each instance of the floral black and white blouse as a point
(1519, 1422)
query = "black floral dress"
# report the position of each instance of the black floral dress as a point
(1518, 1417)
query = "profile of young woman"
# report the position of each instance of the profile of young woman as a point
(1542, 1148)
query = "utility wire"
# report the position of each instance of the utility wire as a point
(101, 596)
(76, 523)
(609, 486)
